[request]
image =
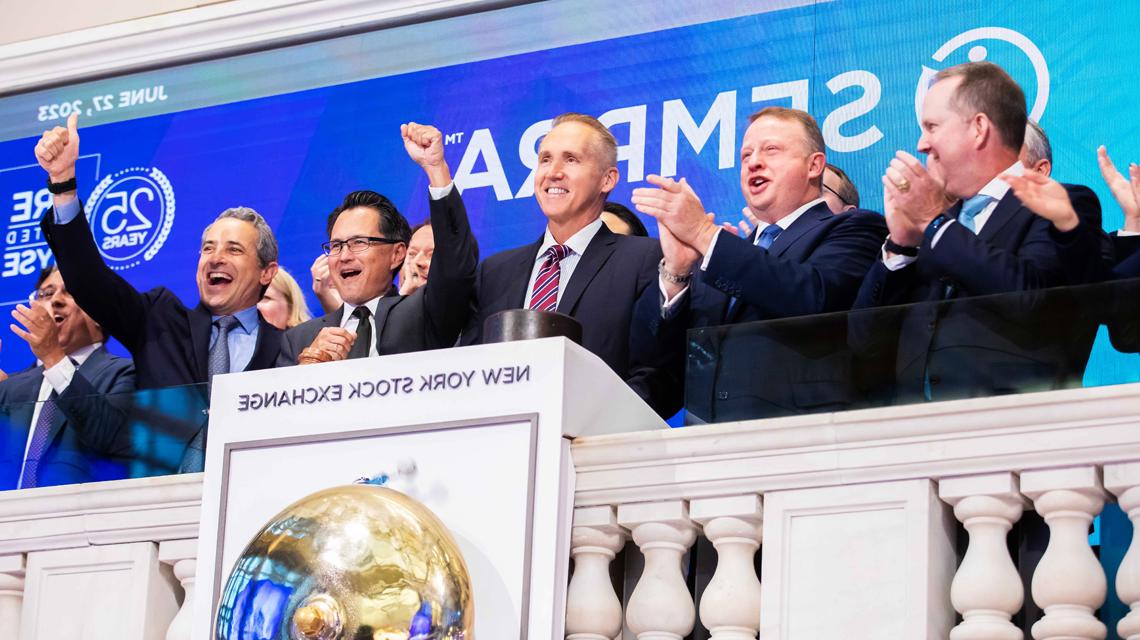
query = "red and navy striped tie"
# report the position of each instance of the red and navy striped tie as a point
(545, 294)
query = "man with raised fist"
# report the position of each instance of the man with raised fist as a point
(172, 343)
(368, 239)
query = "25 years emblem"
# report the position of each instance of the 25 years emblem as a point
(132, 212)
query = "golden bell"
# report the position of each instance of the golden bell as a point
(356, 562)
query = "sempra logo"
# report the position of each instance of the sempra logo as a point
(979, 52)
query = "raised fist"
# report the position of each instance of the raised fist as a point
(58, 149)
(424, 144)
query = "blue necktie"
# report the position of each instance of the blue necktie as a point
(768, 236)
(970, 210)
(220, 351)
(40, 442)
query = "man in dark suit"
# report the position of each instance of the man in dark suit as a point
(801, 260)
(61, 427)
(368, 239)
(172, 344)
(579, 267)
(987, 242)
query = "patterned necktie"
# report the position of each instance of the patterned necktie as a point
(39, 444)
(220, 351)
(768, 236)
(970, 210)
(363, 343)
(544, 297)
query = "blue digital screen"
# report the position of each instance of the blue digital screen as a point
(677, 100)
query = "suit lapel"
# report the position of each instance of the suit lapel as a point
(267, 347)
(519, 278)
(597, 253)
(798, 228)
(383, 308)
(200, 321)
(1000, 217)
(25, 390)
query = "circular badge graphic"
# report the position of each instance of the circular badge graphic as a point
(131, 213)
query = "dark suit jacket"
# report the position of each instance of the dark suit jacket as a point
(433, 315)
(814, 266)
(1025, 340)
(89, 440)
(610, 276)
(169, 341)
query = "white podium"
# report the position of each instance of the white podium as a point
(488, 428)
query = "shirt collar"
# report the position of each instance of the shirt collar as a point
(577, 242)
(247, 319)
(787, 220)
(80, 355)
(997, 188)
(349, 308)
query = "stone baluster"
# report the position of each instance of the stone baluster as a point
(1068, 584)
(593, 609)
(11, 594)
(182, 555)
(730, 604)
(660, 607)
(1123, 480)
(986, 589)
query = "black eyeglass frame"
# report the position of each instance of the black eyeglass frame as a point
(341, 244)
(841, 198)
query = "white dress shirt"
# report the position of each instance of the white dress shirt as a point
(577, 244)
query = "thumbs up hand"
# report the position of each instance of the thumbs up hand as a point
(58, 150)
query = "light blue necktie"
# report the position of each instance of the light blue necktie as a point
(970, 210)
(768, 236)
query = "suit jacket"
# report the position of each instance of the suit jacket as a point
(169, 341)
(88, 438)
(433, 315)
(813, 267)
(1025, 340)
(612, 273)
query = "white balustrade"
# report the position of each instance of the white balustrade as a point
(11, 594)
(1123, 480)
(660, 607)
(1068, 584)
(730, 604)
(593, 609)
(986, 589)
(182, 556)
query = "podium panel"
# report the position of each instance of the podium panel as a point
(480, 435)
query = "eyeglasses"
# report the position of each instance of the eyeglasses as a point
(47, 293)
(358, 244)
(841, 198)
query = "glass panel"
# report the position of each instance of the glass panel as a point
(1061, 338)
(89, 438)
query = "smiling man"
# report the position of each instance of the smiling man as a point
(172, 343)
(802, 259)
(578, 267)
(60, 426)
(368, 240)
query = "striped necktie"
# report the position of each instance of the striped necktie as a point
(544, 297)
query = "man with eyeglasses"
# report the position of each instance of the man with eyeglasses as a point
(839, 192)
(60, 426)
(368, 240)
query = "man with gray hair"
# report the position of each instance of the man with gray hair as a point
(172, 343)
(1036, 152)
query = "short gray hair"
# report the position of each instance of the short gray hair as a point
(266, 241)
(1037, 147)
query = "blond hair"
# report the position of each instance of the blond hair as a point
(294, 297)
